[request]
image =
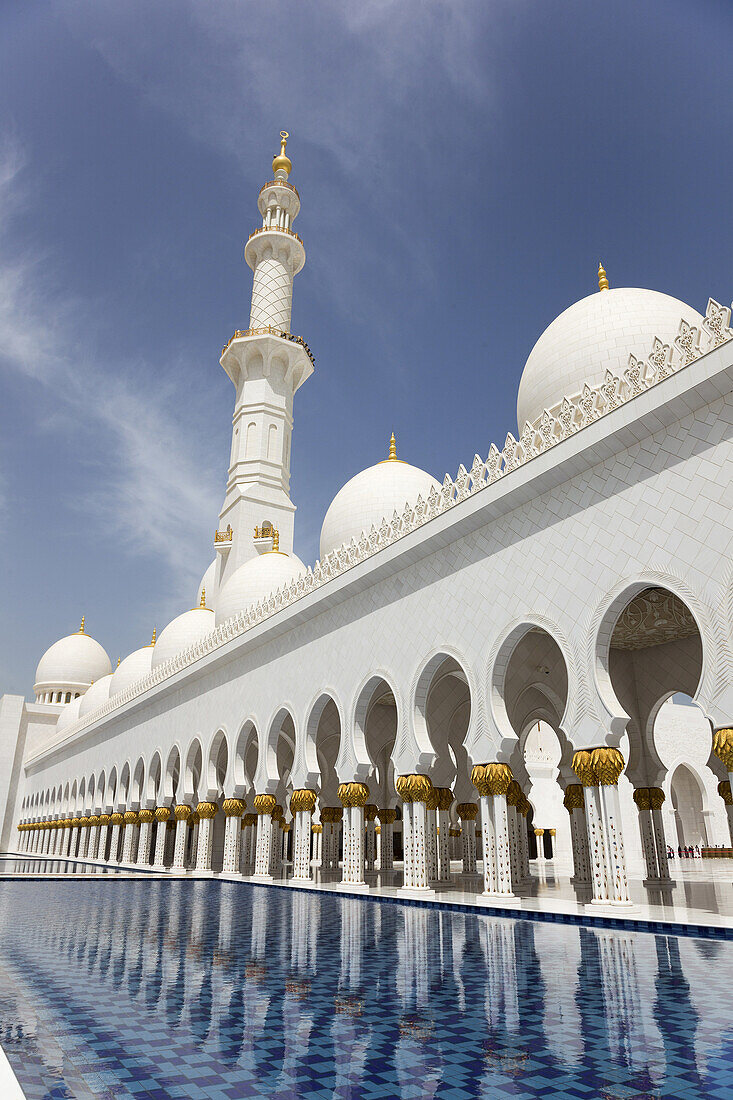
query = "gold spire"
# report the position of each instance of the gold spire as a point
(118, 661)
(392, 449)
(602, 278)
(275, 541)
(282, 162)
(81, 628)
(154, 637)
(203, 599)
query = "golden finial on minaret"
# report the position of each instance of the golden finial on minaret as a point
(392, 449)
(154, 637)
(202, 602)
(282, 163)
(118, 661)
(602, 277)
(275, 541)
(81, 628)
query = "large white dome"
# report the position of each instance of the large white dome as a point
(71, 664)
(136, 665)
(183, 632)
(255, 579)
(69, 714)
(597, 334)
(209, 586)
(97, 694)
(371, 496)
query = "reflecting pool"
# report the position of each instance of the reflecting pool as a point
(213, 990)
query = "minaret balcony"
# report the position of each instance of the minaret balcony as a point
(270, 342)
(223, 539)
(275, 229)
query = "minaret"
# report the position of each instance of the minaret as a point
(267, 364)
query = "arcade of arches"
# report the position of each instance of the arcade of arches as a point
(545, 808)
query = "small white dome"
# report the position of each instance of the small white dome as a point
(371, 496)
(209, 586)
(72, 663)
(69, 714)
(255, 579)
(97, 694)
(182, 632)
(136, 665)
(594, 335)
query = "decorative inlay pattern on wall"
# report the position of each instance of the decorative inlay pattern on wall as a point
(653, 617)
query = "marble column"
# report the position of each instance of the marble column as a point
(492, 783)
(387, 818)
(724, 791)
(162, 816)
(233, 809)
(574, 803)
(249, 836)
(468, 812)
(84, 837)
(515, 821)
(194, 823)
(302, 805)
(723, 749)
(431, 835)
(599, 770)
(642, 798)
(275, 867)
(524, 809)
(353, 797)
(445, 800)
(285, 828)
(264, 805)
(146, 819)
(104, 821)
(117, 822)
(181, 813)
(207, 811)
(370, 837)
(129, 847)
(93, 845)
(414, 790)
(317, 831)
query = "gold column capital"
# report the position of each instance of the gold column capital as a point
(414, 788)
(146, 816)
(387, 816)
(234, 807)
(265, 803)
(182, 812)
(607, 764)
(723, 746)
(303, 799)
(207, 810)
(573, 799)
(353, 794)
(467, 811)
(162, 813)
(725, 792)
(491, 779)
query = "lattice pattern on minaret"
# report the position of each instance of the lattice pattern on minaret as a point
(272, 295)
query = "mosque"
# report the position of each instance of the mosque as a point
(529, 662)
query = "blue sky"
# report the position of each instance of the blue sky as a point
(462, 167)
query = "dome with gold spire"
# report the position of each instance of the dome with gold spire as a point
(69, 667)
(594, 335)
(371, 496)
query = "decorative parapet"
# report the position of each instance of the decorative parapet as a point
(224, 536)
(268, 330)
(553, 427)
(279, 183)
(274, 229)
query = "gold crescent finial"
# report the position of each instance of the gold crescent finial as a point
(602, 277)
(392, 448)
(282, 162)
(81, 628)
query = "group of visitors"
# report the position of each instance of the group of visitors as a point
(686, 852)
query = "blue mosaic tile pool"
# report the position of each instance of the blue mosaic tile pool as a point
(203, 990)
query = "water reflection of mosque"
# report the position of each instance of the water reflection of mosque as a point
(267, 987)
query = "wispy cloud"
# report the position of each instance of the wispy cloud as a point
(155, 495)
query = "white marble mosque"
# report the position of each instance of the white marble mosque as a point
(527, 664)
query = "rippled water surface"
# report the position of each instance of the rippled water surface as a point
(213, 991)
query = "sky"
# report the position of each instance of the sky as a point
(463, 166)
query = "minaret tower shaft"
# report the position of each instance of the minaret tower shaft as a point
(267, 364)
